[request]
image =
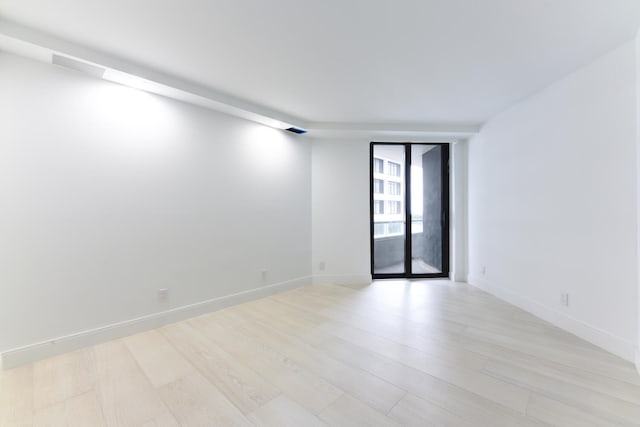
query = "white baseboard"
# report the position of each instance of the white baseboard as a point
(595, 336)
(30, 353)
(458, 278)
(343, 279)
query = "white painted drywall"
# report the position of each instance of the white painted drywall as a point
(340, 210)
(108, 193)
(552, 203)
(637, 42)
(459, 189)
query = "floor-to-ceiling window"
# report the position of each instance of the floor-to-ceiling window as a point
(409, 210)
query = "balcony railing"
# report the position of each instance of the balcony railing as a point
(395, 228)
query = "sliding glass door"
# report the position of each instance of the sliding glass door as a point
(409, 210)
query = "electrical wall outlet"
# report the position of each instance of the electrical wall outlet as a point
(163, 294)
(322, 265)
(483, 270)
(263, 275)
(564, 299)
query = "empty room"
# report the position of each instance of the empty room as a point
(333, 213)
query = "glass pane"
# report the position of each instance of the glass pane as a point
(388, 209)
(426, 209)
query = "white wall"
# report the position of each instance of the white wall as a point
(108, 194)
(637, 41)
(340, 210)
(459, 211)
(552, 203)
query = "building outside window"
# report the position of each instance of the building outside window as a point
(394, 169)
(378, 186)
(378, 165)
(393, 207)
(388, 184)
(393, 188)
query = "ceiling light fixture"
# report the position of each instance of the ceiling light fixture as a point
(130, 80)
(169, 91)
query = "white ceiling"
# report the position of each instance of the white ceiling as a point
(355, 61)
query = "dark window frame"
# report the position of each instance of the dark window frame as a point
(445, 211)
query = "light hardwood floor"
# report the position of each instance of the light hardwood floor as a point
(423, 353)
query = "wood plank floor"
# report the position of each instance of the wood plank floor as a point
(422, 353)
